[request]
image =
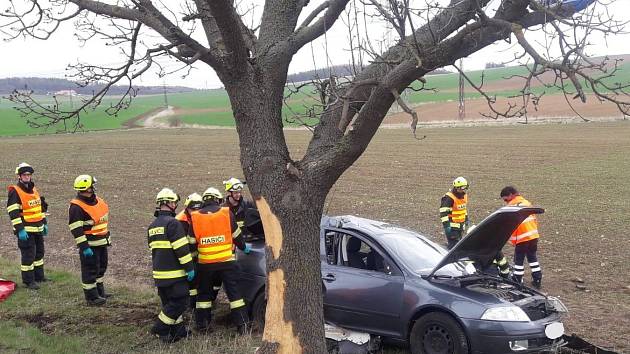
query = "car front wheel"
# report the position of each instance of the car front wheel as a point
(438, 333)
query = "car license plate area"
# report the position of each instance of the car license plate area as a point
(554, 330)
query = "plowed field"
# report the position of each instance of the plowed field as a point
(578, 172)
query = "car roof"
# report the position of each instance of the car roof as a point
(371, 227)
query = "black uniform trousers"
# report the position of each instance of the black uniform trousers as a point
(92, 271)
(453, 237)
(175, 299)
(32, 263)
(526, 249)
(211, 276)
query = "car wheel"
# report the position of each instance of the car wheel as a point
(438, 333)
(259, 306)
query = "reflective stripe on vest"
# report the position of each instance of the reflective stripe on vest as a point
(459, 211)
(528, 229)
(31, 204)
(213, 232)
(99, 213)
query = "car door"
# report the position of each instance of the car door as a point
(363, 296)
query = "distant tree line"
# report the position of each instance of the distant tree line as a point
(336, 70)
(42, 86)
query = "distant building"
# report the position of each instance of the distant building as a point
(66, 93)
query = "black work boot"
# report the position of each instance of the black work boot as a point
(179, 331)
(240, 318)
(92, 298)
(32, 286)
(162, 331)
(101, 291)
(203, 318)
(537, 283)
(97, 301)
(517, 278)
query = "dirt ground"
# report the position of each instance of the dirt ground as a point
(578, 172)
(554, 106)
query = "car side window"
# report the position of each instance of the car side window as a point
(351, 251)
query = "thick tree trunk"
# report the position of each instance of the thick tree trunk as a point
(294, 319)
(290, 204)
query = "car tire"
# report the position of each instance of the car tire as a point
(259, 307)
(438, 333)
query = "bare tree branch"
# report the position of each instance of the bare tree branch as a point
(305, 35)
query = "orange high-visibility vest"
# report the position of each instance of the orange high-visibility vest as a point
(459, 211)
(31, 205)
(99, 213)
(528, 229)
(213, 232)
(182, 216)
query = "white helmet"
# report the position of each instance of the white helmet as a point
(166, 195)
(212, 193)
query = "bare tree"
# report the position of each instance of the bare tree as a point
(252, 62)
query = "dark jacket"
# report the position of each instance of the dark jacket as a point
(169, 249)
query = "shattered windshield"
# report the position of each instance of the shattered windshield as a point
(420, 255)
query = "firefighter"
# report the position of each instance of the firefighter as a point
(216, 232)
(192, 202)
(453, 212)
(499, 265)
(525, 239)
(172, 267)
(238, 204)
(88, 220)
(26, 210)
(502, 264)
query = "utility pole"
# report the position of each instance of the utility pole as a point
(462, 103)
(165, 97)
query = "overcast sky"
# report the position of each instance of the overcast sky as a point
(28, 57)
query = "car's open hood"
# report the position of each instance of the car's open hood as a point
(483, 243)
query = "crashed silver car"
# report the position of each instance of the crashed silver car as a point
(396, 284)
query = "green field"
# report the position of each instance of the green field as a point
(212, 107)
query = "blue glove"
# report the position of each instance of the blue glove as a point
(190, 275)
(447, 229)
(248, 248)
(45, 231)
(88, 252)
(22, 235)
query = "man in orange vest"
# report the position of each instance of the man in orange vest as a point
(453, 211)
(88, 219)
(525, 239)
(26, 210)
(216, 232)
